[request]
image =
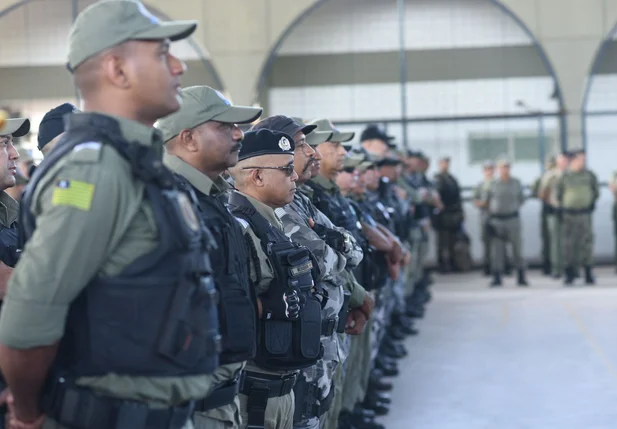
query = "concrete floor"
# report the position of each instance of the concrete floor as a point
(511, 358)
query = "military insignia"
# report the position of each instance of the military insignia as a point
(73, 193)
(188, 213)
(284, 144)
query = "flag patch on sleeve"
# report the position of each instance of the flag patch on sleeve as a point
(73, 193)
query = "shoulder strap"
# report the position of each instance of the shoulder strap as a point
(241, 207)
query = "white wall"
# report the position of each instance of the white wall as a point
(37, 34)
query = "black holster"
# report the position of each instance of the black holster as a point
(306, 397)
(342, 315)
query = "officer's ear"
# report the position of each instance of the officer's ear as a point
(187, 139)
(256, 176)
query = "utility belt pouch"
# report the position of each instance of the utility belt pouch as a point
(190, 333)
(342, 315)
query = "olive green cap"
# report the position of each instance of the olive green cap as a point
(202, 104)
(108, 23)
(16, 127)
(315, 138)
(337, 135)
(353, 159)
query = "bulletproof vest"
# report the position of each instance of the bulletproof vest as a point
(158, 316)
(373, 270)
(337, 208)
(9, 245)
(285, 345)
(237, 304)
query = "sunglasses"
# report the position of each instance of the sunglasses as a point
(288, 170)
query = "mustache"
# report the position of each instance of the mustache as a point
(312, 161)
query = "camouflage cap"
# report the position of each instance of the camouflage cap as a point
(109, 23)
(16, 127)
(337, 135)
(202, 104)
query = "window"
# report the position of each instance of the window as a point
(518, 146)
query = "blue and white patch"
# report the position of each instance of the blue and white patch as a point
(88, 145)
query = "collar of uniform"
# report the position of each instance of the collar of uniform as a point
(200, 181)
(132, 131)
(325, 183)
(9, 209)
(265, 211)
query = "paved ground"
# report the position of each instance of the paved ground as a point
(511, 358)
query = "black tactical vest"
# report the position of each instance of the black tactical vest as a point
(372, 272)
(285, 345)
(338, 209)
(9, 245)
(237, 304)
(158, 317)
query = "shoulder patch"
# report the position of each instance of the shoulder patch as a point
(242, 222)
(280, 212)
(73, 193)
(87, 152)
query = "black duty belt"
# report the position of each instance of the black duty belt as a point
(80, 408)
(223, 394)
(259, 388)
(328, 326)
(504, 216)
(576, 211)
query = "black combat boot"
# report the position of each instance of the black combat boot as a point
(589, 278)
(546, 268)
(568, 276)
(496, 280)
(522, 281)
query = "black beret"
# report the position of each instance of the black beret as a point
(284, 124)
(266, 142)
(374, 132)
(52, 124)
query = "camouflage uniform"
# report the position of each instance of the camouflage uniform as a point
(577, 193)
(295, 218)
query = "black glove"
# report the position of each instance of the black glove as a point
(333, 238)
(282, 307)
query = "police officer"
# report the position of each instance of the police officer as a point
(547, 193)
(111, 308)
(577, 191)
(202, 140)
(283, 274)
(503, 199)
(449, 220)
(9, 207)
(333, 248)
(488, 172)
(326, 196)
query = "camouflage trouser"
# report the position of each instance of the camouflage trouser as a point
(205, 422)
(330, 419)
(577, 240)
(556, 252)
(358, 369)
(322, 373)
(415, 269)
(506, 231)
(381, 317)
